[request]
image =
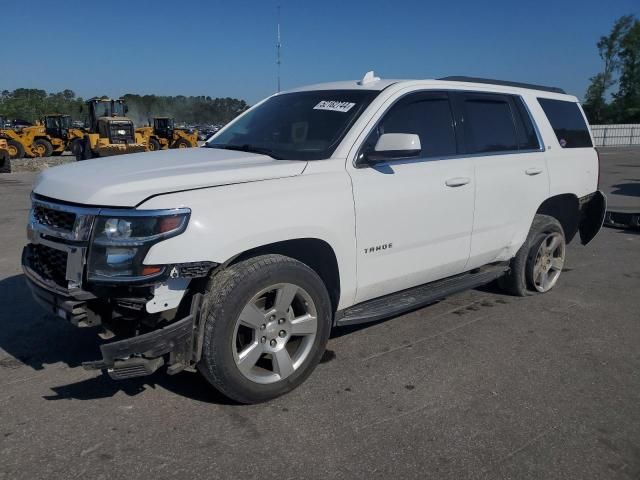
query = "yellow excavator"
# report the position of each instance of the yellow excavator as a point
(164, 135)
(110, 131)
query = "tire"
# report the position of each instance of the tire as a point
(5, 162)
(251, 290)
(524, 267)
(154, 145)
(16, 150)
(42, 147)
(182, 143)
(86, 153)
(76, 148)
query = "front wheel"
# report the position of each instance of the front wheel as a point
(268, 320)
(41, 147)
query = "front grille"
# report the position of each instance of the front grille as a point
(121, 133)
(49, 263)
(54, 218)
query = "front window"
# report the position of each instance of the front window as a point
(296, 126)
(109, 109)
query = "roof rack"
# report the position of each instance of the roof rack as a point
(504, 83)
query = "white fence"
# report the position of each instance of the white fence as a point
(616, 135)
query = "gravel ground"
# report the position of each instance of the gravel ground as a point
(481, 385)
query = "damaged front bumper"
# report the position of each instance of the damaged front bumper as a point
(178, 344)
(144, 354)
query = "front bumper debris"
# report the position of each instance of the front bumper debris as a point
(144, 354)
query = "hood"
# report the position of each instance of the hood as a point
(127, 180)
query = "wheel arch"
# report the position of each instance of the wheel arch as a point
(313, 252)
(566, 209)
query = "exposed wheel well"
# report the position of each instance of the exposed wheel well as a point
(566, 209)
(313, 252)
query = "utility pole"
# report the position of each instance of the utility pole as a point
(278, 45)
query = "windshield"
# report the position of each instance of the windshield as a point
(296, 126)
(103, 108)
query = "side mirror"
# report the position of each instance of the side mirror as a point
(394, 146)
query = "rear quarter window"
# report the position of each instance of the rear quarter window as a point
(567, 122)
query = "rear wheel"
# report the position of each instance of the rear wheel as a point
(268, 320)
(42, 148)
(154, 145)
(546, 261)
(16, 150)
(539, 262)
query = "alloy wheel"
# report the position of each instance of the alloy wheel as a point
(274, 333)
(549, 262)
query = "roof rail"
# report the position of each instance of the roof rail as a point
(505, 83)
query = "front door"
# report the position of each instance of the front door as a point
(414, 216)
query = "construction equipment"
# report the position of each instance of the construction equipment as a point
(52, 137)
(5, 158)
(16, 144)
(61, 134)
(164, 135)
(110, 132)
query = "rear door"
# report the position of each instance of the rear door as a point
(511, 173)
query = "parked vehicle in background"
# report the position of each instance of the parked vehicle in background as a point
(327, 205)
(164, 134)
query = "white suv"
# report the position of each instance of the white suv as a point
(326, 205)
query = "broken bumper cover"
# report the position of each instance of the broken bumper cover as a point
(144, 354)
(69, 304)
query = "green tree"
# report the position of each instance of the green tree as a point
(609, 48)
(627, 99)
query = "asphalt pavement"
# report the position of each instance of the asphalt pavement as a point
(482, 385)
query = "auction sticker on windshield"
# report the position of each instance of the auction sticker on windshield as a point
(334, 106)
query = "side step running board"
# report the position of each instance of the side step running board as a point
(416, 297)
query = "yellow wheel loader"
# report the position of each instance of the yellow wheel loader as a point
(110, 131)
(51, 137)
(164, 135)
(5, 157)
(61, 134)
(18, 143)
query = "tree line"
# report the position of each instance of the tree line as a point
(32, 104)
(613, 95)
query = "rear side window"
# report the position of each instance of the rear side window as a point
(527, 137)
(427, 115)
(488, 124)
(567, 122)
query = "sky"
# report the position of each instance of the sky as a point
(227, 48)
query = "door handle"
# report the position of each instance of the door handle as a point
(533, 171)
(457, 181)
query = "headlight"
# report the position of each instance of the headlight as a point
(121, 241)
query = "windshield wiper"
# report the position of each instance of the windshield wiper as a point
(247, 148)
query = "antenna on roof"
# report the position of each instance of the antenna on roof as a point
(369, 77)
(278, 45)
